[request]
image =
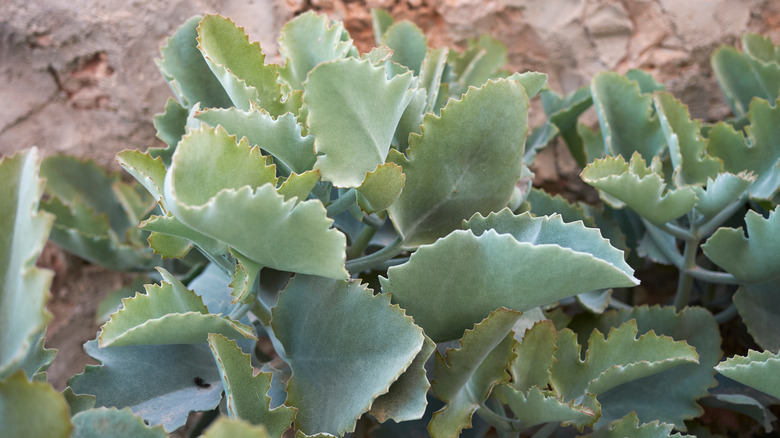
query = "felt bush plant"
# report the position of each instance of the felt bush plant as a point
(371, 216)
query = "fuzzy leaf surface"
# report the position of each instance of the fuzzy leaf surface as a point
(757, 370)
(625, 117)
(157, 382)
(187, 73)
(408, 43)
(353, 113)
(752, 259)
(758, 153)
(472, 275)
(240, 66)
(406, 399)
(255, 221)
(628, 426)
(641, 188)
(464, 377)
(226, 427)
(307, 41)
(669, 396)
(535, 355)
(616, 360)
(246, 393)
(345, 346)
(758, 305)
(687, 148)
(32, 409)
(24, 288)
(465, 161)
(102, 422)
(280, 137)
(168, 313)
(535, 407)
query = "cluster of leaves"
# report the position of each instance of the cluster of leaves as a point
(372, 217)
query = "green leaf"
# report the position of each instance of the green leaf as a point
(73, 180)
(78, 402)
(38, 358)
(381, 188)
(752, 259)
(103, 422)
(669, 396)
(24, 289)
(406, 399)
(759, 306)
(614, 361)
(737, 79)
(307, 41)
(168, 313)
(535, 407)
(299, 186)
(720, 192)
(640, 187)
(757, 370)
(166, 395)
(625, 116)
(564, 112)
(240, 66)
(113, 300)
(744, 404)
(171, 125)
(210, 160)
(472, 275)
(170, 226)
(532, 81)
(758, 153)
(411, 120)
(280, 137)
(764, 58)
(408, 43)
(479, 63)
(32, 409)
(150, 172)
(464, 377)
(431, 73)
(647, 84)
(225, 427)
(245, 392)
(345, 346)
(188, 74)
(353, 113)
(687, 149)
(465, 161)
(535, 355)
(381, 20)
(628, 426)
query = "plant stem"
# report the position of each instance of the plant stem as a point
(220, 261)
(392, 262)
(617, 304)
(671, 253)
(262, 312)
(708, 227)
(359, 245)
(676, 231)
(727, 314)
(546, 430)
(685, 282)
(240, 311)
(373, 220)
(342, 203)
(500, 422)
(700, 273)
(360, 264)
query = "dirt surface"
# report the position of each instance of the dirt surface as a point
(79, 77)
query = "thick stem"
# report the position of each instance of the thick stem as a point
(617, 304)
(502, 424)
(546, 430)
(376, 258)
(262, 312)
(700, 273)
(727, 314)
(685, 283)
(359, 245)
(342, 203)
(676, 231)
(708, 227)
(671, 253)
